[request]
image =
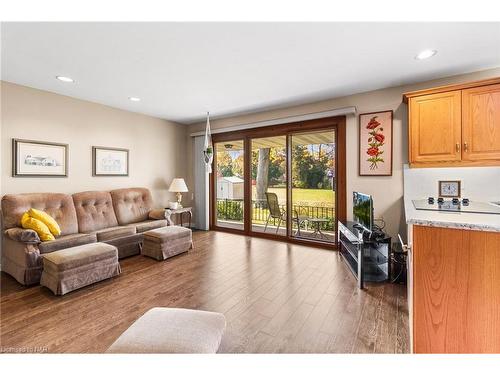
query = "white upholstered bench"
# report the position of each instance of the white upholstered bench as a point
(170, 330)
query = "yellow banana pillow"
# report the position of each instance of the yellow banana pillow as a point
(38, 226)
(46, 219)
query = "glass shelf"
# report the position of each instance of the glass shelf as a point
(374, 263)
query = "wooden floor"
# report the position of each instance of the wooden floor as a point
(277, 297)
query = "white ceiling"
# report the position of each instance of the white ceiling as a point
(182, 70)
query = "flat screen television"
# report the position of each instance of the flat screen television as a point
(362, 210)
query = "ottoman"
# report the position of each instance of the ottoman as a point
(166, 330)
(79, 266)
(163, 243)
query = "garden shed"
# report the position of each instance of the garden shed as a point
(230, 187)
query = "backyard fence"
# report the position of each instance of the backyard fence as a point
(232, 209)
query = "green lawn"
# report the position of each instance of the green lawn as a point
(311, 197)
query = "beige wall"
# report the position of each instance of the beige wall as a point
(157, 147)
(387, 191)
(161, 150)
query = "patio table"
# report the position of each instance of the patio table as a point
(317, 226)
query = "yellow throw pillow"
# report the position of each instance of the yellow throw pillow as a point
(46, 219)
(43, 231)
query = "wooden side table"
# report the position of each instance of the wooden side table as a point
(180, 211)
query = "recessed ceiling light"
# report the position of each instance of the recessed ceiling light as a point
(134, 99)
(65, 79)
(426, 54)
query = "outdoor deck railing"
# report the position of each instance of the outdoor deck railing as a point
(232, 209)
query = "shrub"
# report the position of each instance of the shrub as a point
(230, 210)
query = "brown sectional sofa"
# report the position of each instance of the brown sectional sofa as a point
(118, 218)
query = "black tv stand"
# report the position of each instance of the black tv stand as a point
(358, 226)
(367, 258)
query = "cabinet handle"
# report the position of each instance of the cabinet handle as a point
(457, 147)
(466, 147)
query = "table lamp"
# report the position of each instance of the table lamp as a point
(178, 186)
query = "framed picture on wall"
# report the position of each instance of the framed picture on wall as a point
(39, 159)
(375, 144)
(109, 161)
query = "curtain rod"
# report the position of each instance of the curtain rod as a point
(283, 120)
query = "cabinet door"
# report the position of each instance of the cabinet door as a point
(481, 123)
(435, 127)
(456, 291)
(440, 269)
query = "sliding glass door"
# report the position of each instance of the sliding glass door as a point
(313, 185)
(229, 160)
(285, 182)
(269, 185)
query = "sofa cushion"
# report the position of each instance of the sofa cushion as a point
(45, 218)
(65, 242)
(127, 245)
(59, 206)
(38, 226)
(157, 214)
(146, 225)
(94, 210)
(131, 205)
(79, 256)
(169, 330)
(114, 232)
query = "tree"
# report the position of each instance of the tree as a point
(310, 167)
(224, 164)
(238, 164)
(300, 165)
(262, 182)
(277, 166)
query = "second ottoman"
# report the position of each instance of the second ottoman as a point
(165, 242)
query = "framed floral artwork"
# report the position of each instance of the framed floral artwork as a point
(375, 144)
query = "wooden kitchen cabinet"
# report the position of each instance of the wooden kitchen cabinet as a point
(481, 123)
(457, 125)
(436, 127)
(455, 296)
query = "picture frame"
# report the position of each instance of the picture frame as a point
(375, 143)
(32, 158)
(110, 162)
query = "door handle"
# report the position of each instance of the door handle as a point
(466, 147)
(457, 147)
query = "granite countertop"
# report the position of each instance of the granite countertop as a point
(459, 220)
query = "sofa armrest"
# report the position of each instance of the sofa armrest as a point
(23, 235)
(157, 214)
(22, 260)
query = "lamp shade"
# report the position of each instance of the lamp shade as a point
(178, 185)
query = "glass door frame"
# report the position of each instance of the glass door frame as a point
(252, 232)
(338, 124)
(290, 187)
(232, 136)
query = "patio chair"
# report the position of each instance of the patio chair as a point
(275, 212)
